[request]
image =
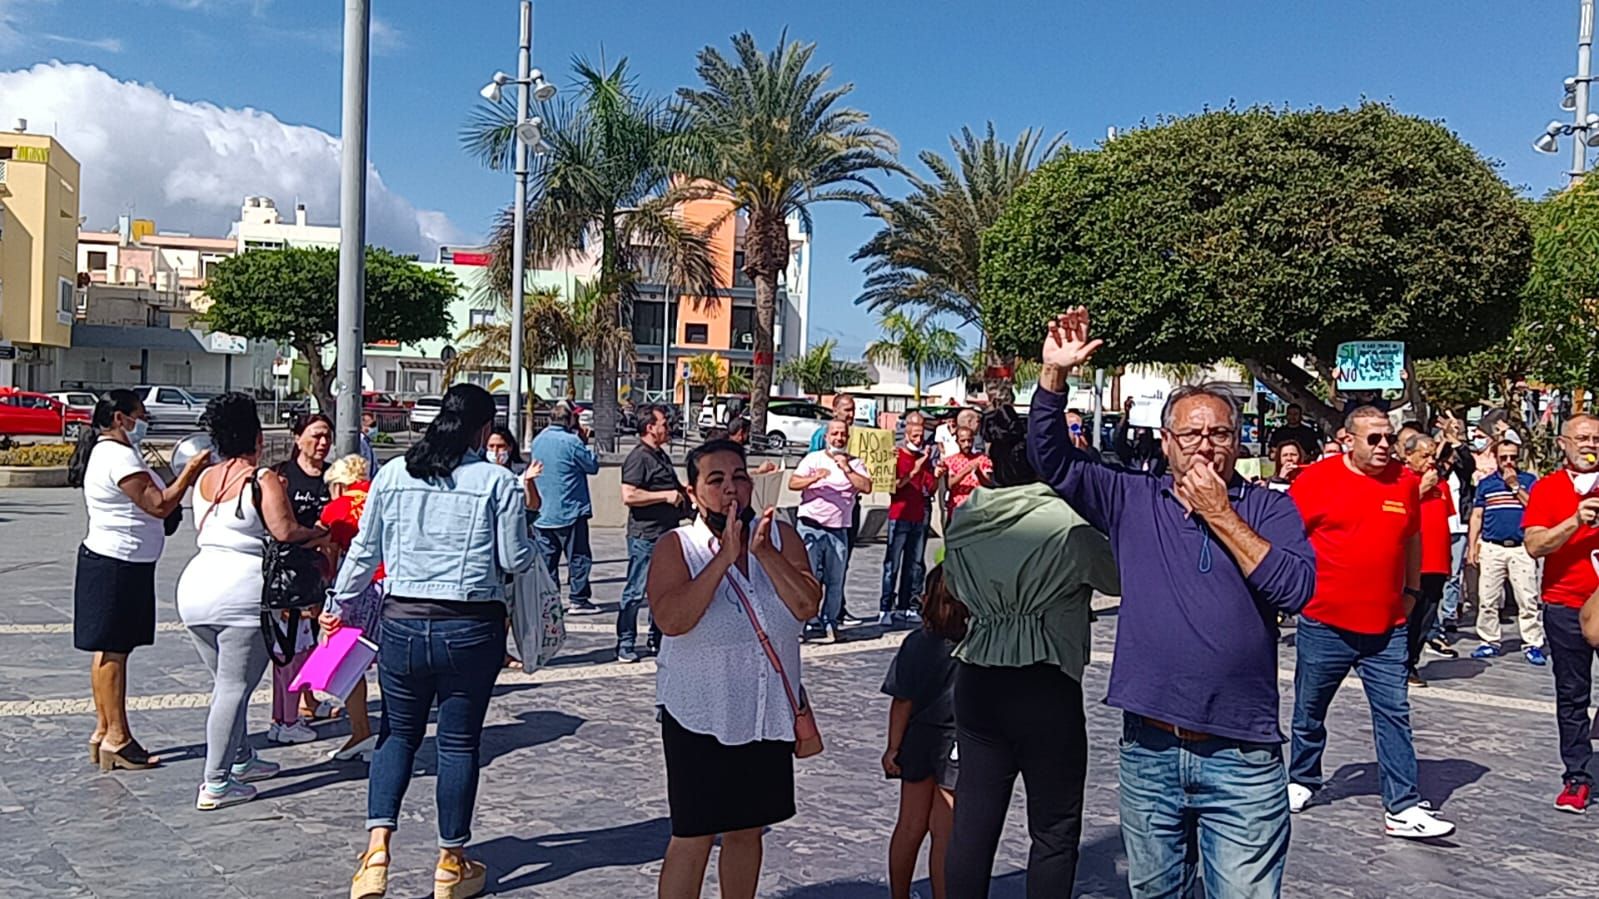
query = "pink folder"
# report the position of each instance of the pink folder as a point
(336, 666)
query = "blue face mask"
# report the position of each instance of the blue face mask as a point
(1479, 443)
(137, 432)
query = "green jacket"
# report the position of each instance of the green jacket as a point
(1026, 565)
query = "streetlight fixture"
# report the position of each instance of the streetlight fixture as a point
(1584, 125)
(528, 134)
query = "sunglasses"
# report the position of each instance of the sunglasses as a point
(1379, 439)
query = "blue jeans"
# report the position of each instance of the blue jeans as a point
(828, 549)
(639, 551)
(1216, 808)
(1450, 607)
(1325, 656)
(573, 540)
(903, 565)
(455, 661)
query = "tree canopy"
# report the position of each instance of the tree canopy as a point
(291, 296)
(1263, 235)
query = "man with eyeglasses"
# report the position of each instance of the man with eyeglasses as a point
(1562, 526)
(1494, 546)
(1362, 513)
(1207, 561)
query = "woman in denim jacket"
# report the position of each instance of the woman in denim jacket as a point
(448, 527)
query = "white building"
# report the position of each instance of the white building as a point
(260, 227)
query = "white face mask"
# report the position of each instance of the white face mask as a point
(500, 456)
(137, 432)
(1584, 481)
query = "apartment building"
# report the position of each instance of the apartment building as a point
(38, 256)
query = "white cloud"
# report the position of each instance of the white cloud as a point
(189, 165)
(108, 44)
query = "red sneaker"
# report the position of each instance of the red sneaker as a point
(1574, 798)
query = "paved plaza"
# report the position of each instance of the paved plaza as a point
(573, 799)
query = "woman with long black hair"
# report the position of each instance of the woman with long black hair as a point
(113, 597)
(448, 526)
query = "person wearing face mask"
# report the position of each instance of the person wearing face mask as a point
(1207, 562)
(113, 592)
(727, 687)
(449, 528)
(1562, 529)
(656, 503)
(1363, 517)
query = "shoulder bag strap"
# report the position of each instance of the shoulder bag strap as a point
(766, 643)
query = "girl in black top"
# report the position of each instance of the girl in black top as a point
(921, 737)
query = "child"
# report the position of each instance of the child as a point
(348, 483)
(921, 737)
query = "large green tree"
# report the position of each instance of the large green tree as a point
(1267, 236)
(928, 254)
(608, 180)
(291, 296)
(778, 139)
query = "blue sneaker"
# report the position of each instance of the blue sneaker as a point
(1535, 656)
(253, 770)
(1485, 651)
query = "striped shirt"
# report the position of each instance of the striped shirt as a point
(1501, 508)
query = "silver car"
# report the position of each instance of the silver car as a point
(170, 407)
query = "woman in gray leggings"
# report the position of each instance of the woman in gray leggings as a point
(219, 595)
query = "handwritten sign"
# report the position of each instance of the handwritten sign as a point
(1371, 365)
(875, 447)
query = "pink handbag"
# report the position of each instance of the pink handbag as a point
(336, 666)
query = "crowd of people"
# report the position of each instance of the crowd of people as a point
(1371, 543)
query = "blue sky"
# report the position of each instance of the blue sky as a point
(1490, 69)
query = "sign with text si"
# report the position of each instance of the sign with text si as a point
(1371, 365)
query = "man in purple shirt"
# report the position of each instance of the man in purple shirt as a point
(1207, 562)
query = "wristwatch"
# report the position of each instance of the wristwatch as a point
(1413, 592)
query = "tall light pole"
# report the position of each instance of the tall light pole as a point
(352, 227)
(527, 134)
(1584, 125)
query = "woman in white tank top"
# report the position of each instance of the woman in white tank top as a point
(726, 723)
(219, 593)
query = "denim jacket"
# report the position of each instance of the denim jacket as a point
(564, 485)
(453, 539)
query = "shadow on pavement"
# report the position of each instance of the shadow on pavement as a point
(558, 856)
(1439, 779)
(1453, 669)
(1009, 886)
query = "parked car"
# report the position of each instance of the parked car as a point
(170, 407)
(424, 411)
(391, 414)
(81, 400)
(24, 413)
(793, 423)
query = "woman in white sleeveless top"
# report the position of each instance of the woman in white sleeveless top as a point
(219, 593)
(726, 723)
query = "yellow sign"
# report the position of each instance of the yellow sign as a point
(875, 447)
(31, 154)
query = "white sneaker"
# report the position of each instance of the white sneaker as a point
(1298, 797)
(913, 617)
(1416, 823)
(298, 732)
(886, 619)
(232, 793)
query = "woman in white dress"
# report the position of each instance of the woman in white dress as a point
(236, 504)
(726, 721)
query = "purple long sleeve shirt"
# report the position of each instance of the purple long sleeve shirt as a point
(1196, 640)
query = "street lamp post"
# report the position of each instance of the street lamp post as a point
(352, 227)
(528, 134)
(1584, 125)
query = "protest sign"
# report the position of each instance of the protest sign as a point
(1371, 365)
(875, 447)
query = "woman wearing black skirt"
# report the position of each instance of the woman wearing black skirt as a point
(726, 723)
(113, 602)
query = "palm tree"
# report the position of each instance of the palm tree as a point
(607, 181)
(553, 326)
(713, 373)
(817, 372)
(779, 140)
(928, 253)
(919, 344)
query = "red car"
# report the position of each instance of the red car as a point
(24, 413)
(391, 414)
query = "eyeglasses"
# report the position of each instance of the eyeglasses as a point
(1509, 458)
(1379, 439)
(1190, 440)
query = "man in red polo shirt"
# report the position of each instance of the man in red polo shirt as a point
(903, 566)
(1362, 513)
(1561, 524)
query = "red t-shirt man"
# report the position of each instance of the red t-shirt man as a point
(909, 503)
(1359, 525)
(1436, 511)
(1568, 574)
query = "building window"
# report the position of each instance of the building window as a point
(739, 278)
(743, 337)
(97, 260)
(66, 301)
(481, 378)
(649, 323)
(391, 380)
(263, 245)
(696, 333)
(476, 317)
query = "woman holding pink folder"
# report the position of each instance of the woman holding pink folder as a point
(219, 593)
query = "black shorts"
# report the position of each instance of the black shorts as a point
(713, 788)
(113, 603)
